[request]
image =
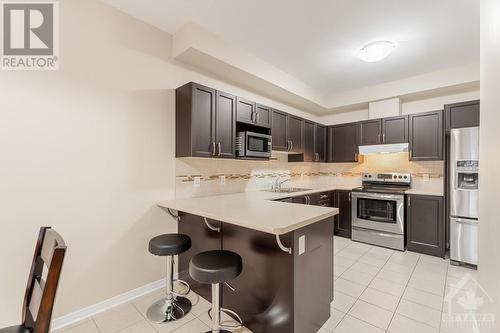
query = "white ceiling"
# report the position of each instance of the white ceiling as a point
(317, 41)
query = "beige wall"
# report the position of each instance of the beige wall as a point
(415, 104)
(489, 221)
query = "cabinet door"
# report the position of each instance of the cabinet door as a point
(263, 115)
(245, 110)
(320, 199)
(320, 143)
(300, 200)
(203, 121)
(342, 201)
(426, 136)
(425, 224)
(308, 141)
(395, 129)
(279, 130)
(225, 125)
(342, 142)
(370, 132)
(461, 115)
(295, 133)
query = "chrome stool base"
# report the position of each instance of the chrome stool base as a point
(160, 312)
(220, 331)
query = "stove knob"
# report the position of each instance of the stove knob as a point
(370, 176)
(400, 177)
(405, 177)
(394, 176)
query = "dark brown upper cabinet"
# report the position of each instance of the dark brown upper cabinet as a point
(425, 224)
(309, 152)
(343, 143)
(370, 132)
(459, 115)
(295, 132)
(225, 125)
(245, 111)
(252, 113)
(204, 122)
(263, 116)
(342, 223)
(395, 129)
(319, 143)
(279, 130)
(426, 136)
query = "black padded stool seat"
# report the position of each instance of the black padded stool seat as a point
(169, 244)
(15, 329)
(215, 266)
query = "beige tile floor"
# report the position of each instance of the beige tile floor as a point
(376, 290)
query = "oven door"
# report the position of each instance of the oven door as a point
(377, 211)
(258, 145)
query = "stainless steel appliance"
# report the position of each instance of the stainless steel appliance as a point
(250, 144)
(464, 181)
(378, 209)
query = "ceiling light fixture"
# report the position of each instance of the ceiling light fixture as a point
(376, 51)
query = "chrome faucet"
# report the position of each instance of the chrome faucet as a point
(279, 181)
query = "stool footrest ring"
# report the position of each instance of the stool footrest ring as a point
(186, 285)
(231, 314)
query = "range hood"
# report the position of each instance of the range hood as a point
(383, 149)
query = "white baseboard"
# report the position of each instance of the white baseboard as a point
(94, 309)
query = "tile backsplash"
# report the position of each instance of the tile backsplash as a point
(220, 176)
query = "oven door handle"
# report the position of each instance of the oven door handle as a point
(377, 196)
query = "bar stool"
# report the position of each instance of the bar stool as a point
(173, 306)
(216, 267)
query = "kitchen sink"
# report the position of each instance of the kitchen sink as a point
(289, 190)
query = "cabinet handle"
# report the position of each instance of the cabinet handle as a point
(213, 148)
(349, 196)
(383, 138)
(251, 116)
(356, 157)
(409, 201)
(378, 138)
(291, 144)
(257, 116)
(219, 149)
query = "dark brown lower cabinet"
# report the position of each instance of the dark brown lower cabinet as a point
(277, 292)
(425, 224)
(342, 200)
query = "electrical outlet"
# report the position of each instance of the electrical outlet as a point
(222, 180)
(302, 244)
(196, 181)
(425, 177)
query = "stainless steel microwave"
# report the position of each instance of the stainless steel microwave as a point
(250, 144)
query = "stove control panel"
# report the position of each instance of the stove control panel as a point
(387, 177)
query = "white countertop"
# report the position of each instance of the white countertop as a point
(256, 210)
(425, 192)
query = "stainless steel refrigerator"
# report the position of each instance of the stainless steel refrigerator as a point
(464, 181)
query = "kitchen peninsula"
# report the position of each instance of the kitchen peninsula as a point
(287, 250)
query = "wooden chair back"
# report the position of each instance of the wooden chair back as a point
(43, 281)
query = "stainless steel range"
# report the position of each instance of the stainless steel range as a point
(378, 209)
